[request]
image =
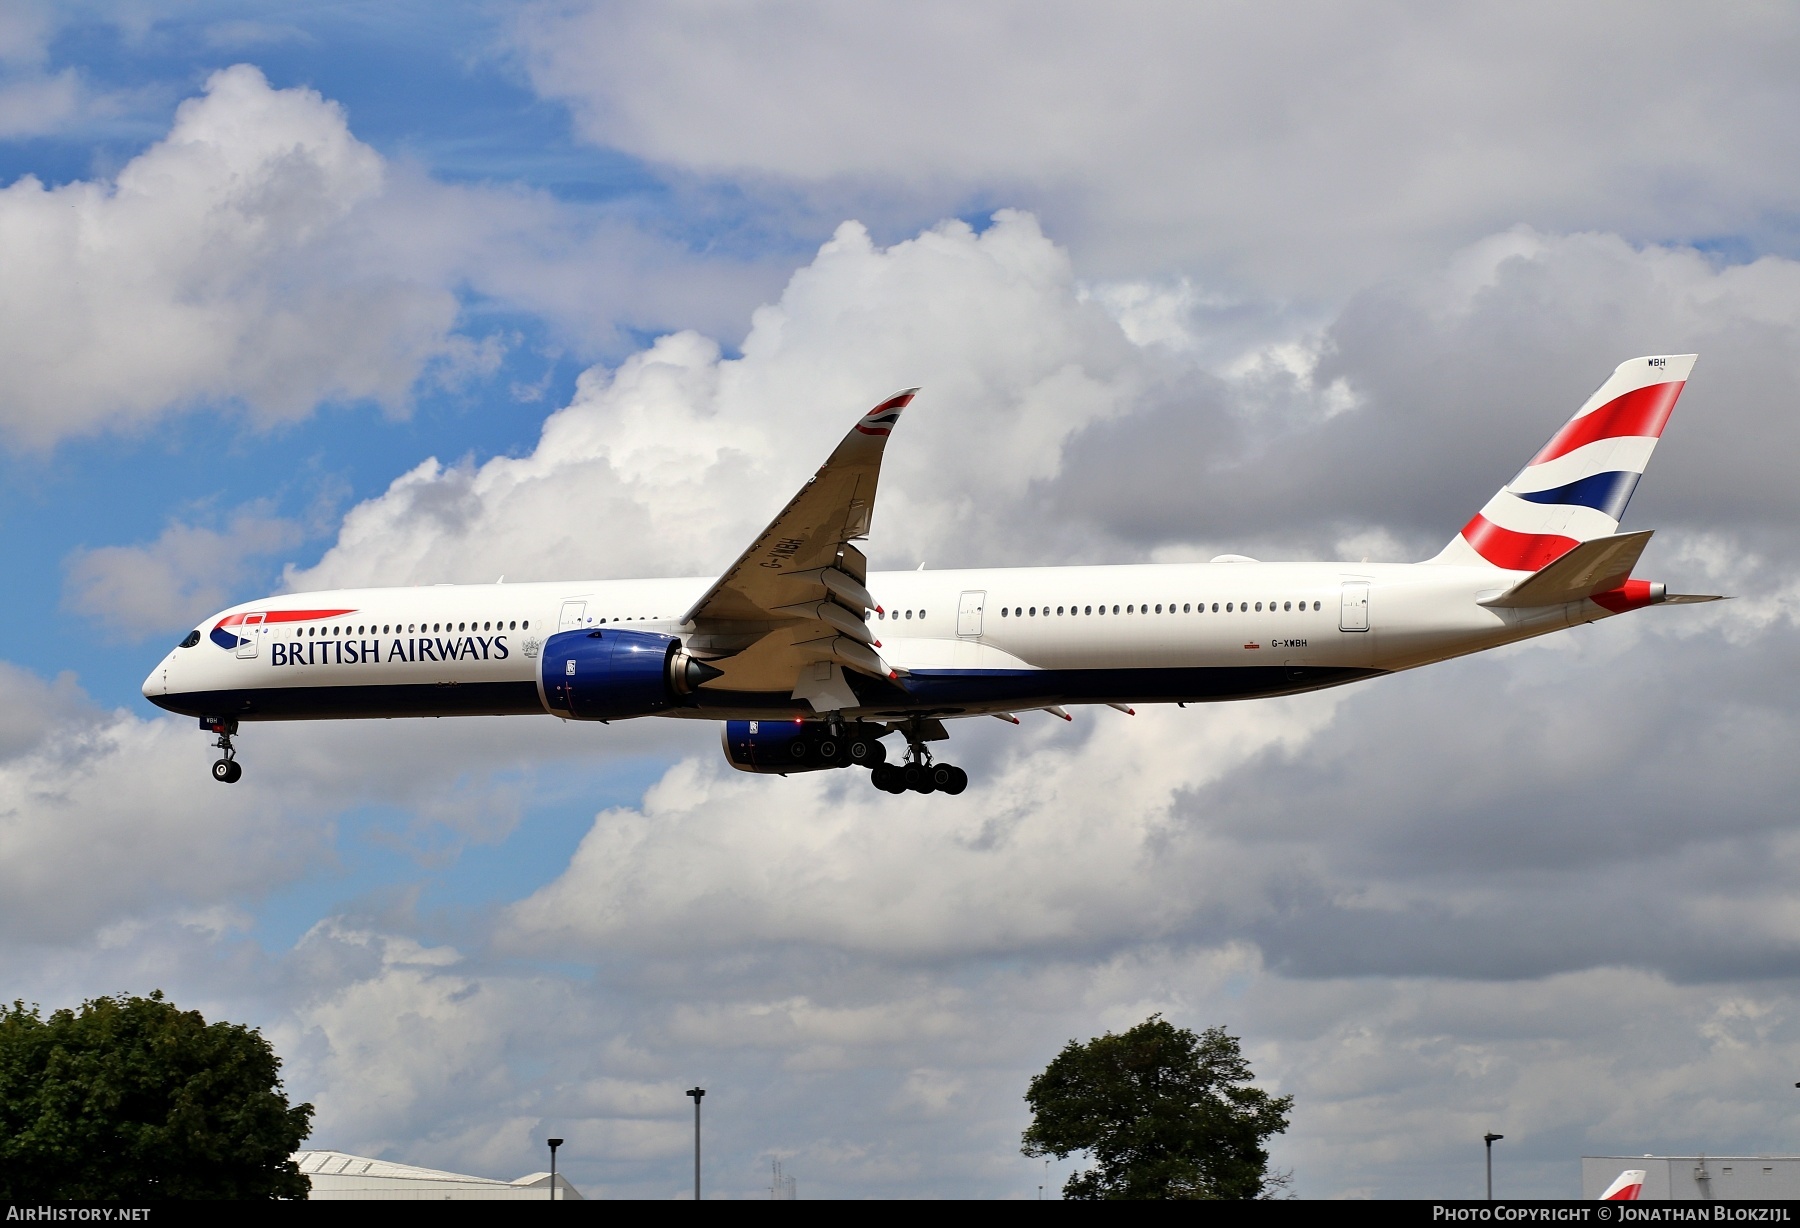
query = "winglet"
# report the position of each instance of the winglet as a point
(881, 419)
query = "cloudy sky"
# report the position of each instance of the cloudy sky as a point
(301, 295)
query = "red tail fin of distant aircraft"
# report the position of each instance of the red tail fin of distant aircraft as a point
(1626, 1189)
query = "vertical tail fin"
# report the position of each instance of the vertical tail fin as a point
(1576, 488)
(1626, 1187)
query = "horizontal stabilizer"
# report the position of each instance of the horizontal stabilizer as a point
(1692, 598)
(1596, 566)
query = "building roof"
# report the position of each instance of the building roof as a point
(338, 1174)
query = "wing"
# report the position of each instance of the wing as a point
(796, 597)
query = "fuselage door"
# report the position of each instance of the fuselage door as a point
(968, 614)
(1355, 615)
(572, 613)
(249, 631)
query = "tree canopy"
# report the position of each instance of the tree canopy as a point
(1163, 1112)
(130, 1098)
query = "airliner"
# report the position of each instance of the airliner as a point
(808, 660)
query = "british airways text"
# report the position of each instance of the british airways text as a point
(360, 652)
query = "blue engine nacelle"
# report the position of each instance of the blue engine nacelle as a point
(801, 746)
(609, 674)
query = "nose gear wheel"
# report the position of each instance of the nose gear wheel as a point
(226, 769)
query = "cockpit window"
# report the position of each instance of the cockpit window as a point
(193, 637)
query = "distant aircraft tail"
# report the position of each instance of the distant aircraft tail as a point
(1576, 488)
(1629, 1185)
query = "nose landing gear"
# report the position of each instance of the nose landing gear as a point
(226, 770)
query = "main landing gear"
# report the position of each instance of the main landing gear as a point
(226, 770)
(918, 773)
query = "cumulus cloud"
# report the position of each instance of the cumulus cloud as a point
(1062, 420)
(33, 99)
(1469, 821)
(110, 822)
(186, 573)
(1422, 395)
(261, 256)
(879, 1079)
(1306, 150)
(204, 272)
(1085, 834)
(669, 464)
(101, 821)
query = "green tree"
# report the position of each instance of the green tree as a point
(131, 1098)
(1162, 1112)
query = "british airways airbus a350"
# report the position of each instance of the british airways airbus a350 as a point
(808, 659)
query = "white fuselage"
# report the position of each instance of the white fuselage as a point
(970, 641)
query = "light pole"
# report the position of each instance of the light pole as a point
(1490, 1140)
(696, 1093)
(554, 1144)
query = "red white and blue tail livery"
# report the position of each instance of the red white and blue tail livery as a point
(1576, 488)
(807, 659)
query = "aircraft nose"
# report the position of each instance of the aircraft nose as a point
(157, 684)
